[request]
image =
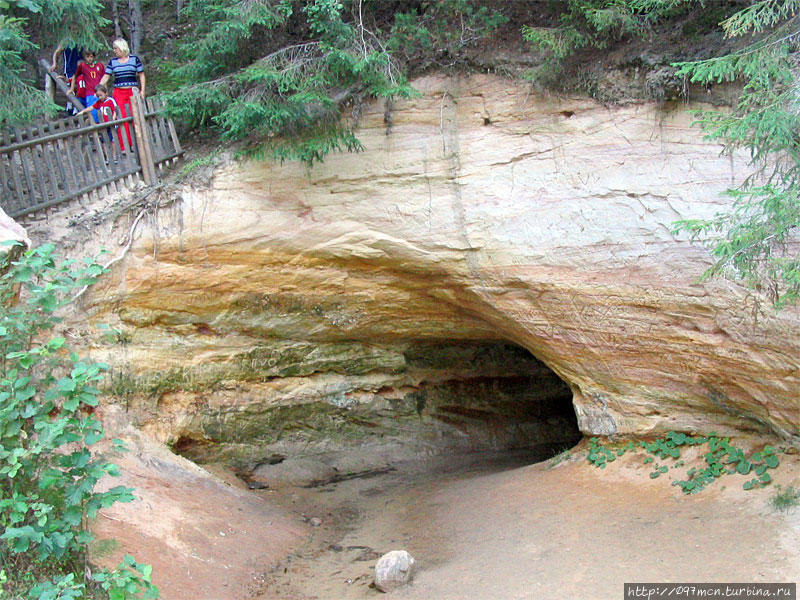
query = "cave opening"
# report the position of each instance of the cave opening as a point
(493, 397)
(422, 400)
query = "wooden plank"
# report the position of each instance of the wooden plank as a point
(48, 166)
(163, 138)
(43, 167)
(164, 121)
(167, 141)
(13, 160)
(28, 166)
(66, 147)
(158, 143)
(58, 158)
(26, 140)
(78, 146)
(33, 163)
(152, 137)
(57, 148)
(7, 191)
(112, 151)
(176, 143)
(77, 193)
(139, 129)
(149, 132)
(97, 159)
(23, 165)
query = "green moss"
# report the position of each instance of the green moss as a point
(290, 359)
(154, 383)
(301, 359)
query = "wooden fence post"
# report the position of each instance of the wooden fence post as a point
(143, 139)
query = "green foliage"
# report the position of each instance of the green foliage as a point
(586, 23)
(47, 399)
(785, 499)
(596, 24)
(222, 31)
(289, 103)
(600, 455)
(70, 22)
(722, 458)
(128, 581)
(20, 101)
(437, 33)
(750, 241)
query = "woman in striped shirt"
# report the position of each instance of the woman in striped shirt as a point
(128, 73)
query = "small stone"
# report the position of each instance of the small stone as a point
(315, 521)
(394, 569)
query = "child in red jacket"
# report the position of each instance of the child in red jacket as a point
(88, 74)
(107, 108)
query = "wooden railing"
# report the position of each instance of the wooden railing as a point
(57, 161)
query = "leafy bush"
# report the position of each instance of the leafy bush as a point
(47, 427)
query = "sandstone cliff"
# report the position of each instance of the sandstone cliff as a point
(280, 306)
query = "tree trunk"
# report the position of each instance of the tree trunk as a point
(115, 18)
(137, 25)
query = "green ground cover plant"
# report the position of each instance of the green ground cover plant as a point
(785, 499)
(721, 458)
(48, 471)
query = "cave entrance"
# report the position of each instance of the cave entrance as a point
(370, 407)
(490, 396)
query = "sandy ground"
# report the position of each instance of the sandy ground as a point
(205, 537)
(486, 529)
(481, 527)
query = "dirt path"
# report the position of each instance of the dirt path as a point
(540, 531)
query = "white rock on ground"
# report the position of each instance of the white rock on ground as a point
(394, 569)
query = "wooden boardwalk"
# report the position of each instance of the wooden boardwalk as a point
(57, 161)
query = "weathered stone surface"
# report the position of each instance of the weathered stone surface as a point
(394, 570)
(294, 471)
(485, 213)
(203, 537)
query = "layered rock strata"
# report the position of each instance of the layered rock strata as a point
(480, 214)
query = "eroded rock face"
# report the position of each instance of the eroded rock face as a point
(484, 214)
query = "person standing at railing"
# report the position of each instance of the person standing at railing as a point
(89, 73)
(128, 73)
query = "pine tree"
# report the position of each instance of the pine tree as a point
(289, 103)
(288, 77)
(752, 241)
